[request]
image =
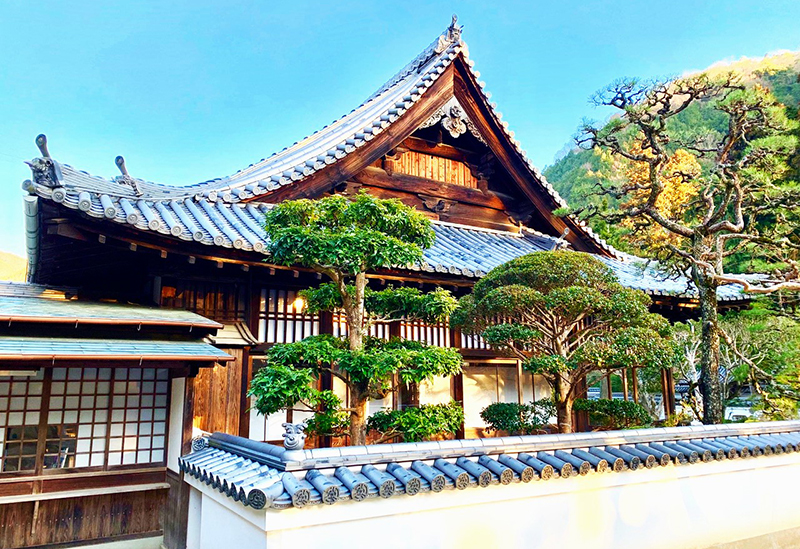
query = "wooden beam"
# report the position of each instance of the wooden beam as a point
(378, 177)
(469, 94)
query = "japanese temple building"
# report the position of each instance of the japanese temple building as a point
(150, 306)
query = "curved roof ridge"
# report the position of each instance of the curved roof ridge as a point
(312, 153)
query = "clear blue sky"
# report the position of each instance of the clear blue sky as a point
(190, 90)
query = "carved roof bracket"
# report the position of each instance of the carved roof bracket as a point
(440, 206)
(453, 120)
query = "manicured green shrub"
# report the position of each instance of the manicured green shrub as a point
(420, 423)
(518, 419)
(614, 414)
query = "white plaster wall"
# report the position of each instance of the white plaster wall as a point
(435, 391)
(686, 507)
(175, 422)
(221, 529)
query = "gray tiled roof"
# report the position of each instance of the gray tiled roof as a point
(261, 475)
(36, 303)
(44, 348)
(165, 209)
(213, 213)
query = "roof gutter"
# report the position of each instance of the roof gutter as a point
(32, 234)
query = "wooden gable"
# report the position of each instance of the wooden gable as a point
(449, 157)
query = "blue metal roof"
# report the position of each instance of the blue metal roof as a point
(35, 303)
(45, 348)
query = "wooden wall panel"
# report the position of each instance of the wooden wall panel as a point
(72, 520)
(217, 395)
(176, 512)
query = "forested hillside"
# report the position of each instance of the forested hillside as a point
(576, 174)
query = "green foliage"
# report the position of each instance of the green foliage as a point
(390, 303)
(343, 238)
(292, 368)
(278, 386)
(518, 419)
(565, 315)
(331, 422)
(576, 176)
(614, 414)
(419, 423)
(349, 236)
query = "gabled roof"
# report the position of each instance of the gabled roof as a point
(181, 211)
(220, 212)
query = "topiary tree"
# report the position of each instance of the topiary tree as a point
(343, 239)
(565, 315)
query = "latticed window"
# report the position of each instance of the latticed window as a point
(20, 405)
(93, 417)
(377, 329)
(432, 334)
(281, 318)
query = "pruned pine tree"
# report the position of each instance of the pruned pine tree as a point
(740, 212)
(564, 315)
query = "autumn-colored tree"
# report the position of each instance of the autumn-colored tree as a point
(747, 197)
(679, 179)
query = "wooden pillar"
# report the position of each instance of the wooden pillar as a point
(520, 397)
(667, 391)
(635, 380)
(670, 389)
(457, 394)
(244, 405)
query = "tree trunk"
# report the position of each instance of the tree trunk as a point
(709, 357)
(358, 421)
(354, 311)
(710, 387)
(563, 403)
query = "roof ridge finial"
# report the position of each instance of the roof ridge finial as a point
(120, 162)
(454, 30)
(41, 142)
(126, 178)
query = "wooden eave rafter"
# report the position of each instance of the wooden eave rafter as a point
(327, 178)
(467, 92)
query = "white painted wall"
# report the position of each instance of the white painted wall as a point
(687, 507)
(175, 427)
